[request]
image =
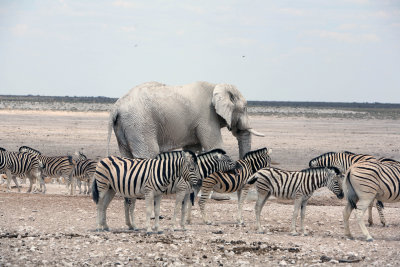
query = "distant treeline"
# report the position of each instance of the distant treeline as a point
(104, 100)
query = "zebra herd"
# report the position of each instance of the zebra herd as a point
(30, 163)
(362, 179)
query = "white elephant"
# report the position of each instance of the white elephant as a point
(154, 117)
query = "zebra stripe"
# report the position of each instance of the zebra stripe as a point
(19, 164)
(224, 182)
(366, 181)
(297, 185)
(134, 178)
(342, 161)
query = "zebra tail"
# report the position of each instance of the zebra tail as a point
(111, 122)
(95, 192)
(351, 195)
(252, 179)
(70, 160)
(380, 204)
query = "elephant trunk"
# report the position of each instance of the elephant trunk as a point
(244, 142)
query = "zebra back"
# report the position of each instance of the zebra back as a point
(340, 160)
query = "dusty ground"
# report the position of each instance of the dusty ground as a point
(56, 229)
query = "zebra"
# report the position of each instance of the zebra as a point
(19, 164)
(223, 182)
(365, 181)
(134, 178)
(297, 185)
(83, 172)
(343, 161)
(53, 166)
(207, 163)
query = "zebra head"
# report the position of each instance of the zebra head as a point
(190, 170)
(215, 160)
(334, 181)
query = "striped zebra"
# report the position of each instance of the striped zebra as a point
(134, 178)
(57, 166)
(366, 181)
(297, 185)
(3, 172)
(343, 161)
(223, 182)
(83, 173)
(20, 164)
(207, 163)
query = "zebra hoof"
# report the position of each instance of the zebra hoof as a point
(349, 237)
(260, 232)
(294, 234)
(370, 239)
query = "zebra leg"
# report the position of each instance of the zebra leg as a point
(379, 208)
(346, 215)
(370, 220)
(303, 215)
(261, 199)
(243, 192)
(149, 198)
(297, 204)
(42, 184)
(129, 205)
(205, 193)
(16, 183)
(9, 181)
(185, 203)
(362, 206)
(190, 204)
(180, 196)
(157, 201)
(104, 200)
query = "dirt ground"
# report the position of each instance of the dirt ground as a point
(57, 229)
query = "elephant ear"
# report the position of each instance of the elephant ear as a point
(223, 102)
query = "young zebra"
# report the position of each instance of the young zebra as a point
(134, 178)
(19, 164)
(297, 185)
(223, 182)
(207, 163)
(58, 166)
(365, 181)
(343, 161)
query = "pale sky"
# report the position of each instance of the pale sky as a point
(315, 50)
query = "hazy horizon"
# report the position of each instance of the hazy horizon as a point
(303, 51)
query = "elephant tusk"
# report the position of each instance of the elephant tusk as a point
(255, 132)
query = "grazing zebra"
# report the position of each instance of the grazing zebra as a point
(297, 185)
(20, 164)
(223, 182)
(365, 181)
(343, 161)
(83, 172)
(207, 163)
(134, 178)
(57, 166)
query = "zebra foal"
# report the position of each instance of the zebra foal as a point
(134, 178)
(297, 185)
(343, 161)
(366, 181)
(20, 164)
(83, 172)
(58, 166)
(227, 182)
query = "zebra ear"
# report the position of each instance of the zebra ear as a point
(269, 151)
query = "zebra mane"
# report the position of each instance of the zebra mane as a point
(348, 152)
(176, 153)
(327, 154)
(29, 150)
(388, 160)
(254, 152)
(2, 149)
(218, 150)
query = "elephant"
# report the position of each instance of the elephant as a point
(153, 118)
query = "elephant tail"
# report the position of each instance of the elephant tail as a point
(111, 121)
